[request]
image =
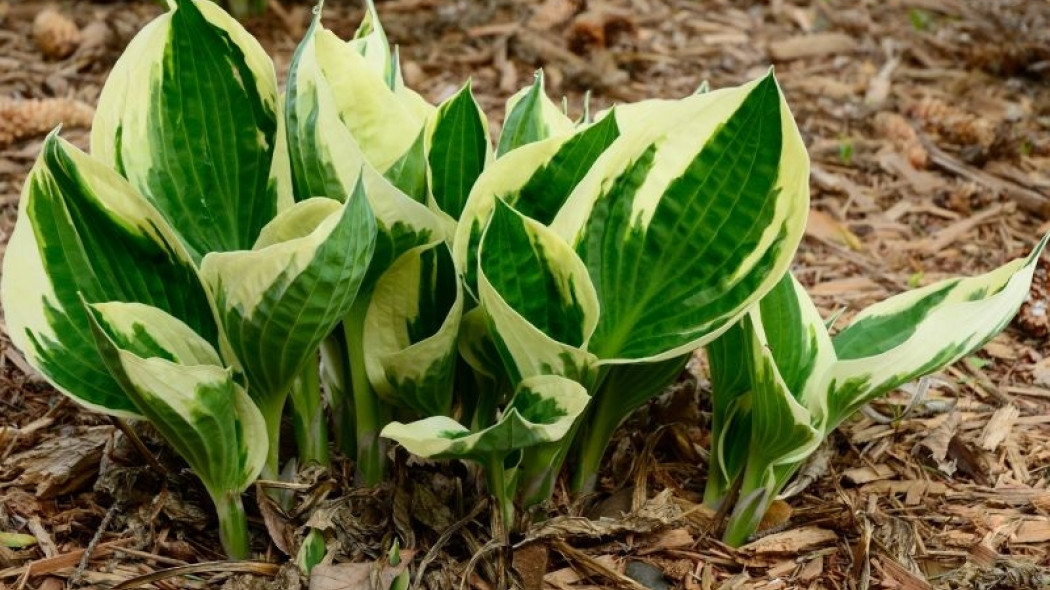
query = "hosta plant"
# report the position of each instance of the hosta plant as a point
(392, 270)
(168, 275)
(781, 383)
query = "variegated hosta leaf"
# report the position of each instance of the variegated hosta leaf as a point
(477, 347)
(535, 179)
(686, 222)
(411, 329)
(328, 161)
(729, 359)
(782, 434)
(531, 116)
(922, 331)
(371, 43)
(790, 352)
(540, 305)
(543, 409)
(277, 302)
(457, 146)
(380, 121)
(82, 230)
(342, 115)
(175, 379)
(189, 116)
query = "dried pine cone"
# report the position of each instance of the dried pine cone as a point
(21, 118)
(953, 123)
(898, 130)
(55, 33)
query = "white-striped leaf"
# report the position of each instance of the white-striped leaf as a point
(790, 354)
(729, 362)
(477, 347)
(535, 179)
(540, 305)
(531, 116)
(328, 161)
(919, 332)
(189, 116)
(83, 231)
(458, 148)
(803, 383)
(371, 43)
(687, 221)
(783, 433)
(411, 328)
(278, 301)
(542, 410)
(383, 125)
(173, 377)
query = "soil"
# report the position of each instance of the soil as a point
(928, 125)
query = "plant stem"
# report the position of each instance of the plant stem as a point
(502, 491)
(368, 411)
(336, 364)
(272, 409)
(754, 499)
(233, 524)
(310, 421)
(600, 423)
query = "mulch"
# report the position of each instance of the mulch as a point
(928, 125)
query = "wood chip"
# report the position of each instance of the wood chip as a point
(898, 576)
(815, 45)
(905, 487)
(850, 286)
(1033, 531)
(791, 541)
(823, 226)
(863, 475)
(998, 427)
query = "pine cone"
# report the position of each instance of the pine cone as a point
(21, 118)
(953, 123)
(897, 129)
(55, 33)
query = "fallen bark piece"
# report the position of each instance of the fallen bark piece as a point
(999, 427)
(1032, 531)
(63, 464)
(815, 45)
(791, 541)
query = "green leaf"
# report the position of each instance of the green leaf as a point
(921, 331)
(278, 301)
(196, 406)
(542, 410)
(327, 159)
(730, 361)
(539, 302)
(689, 218)
(370, 42)
(531, 116)
(535, 179)
(411, 330)
(790, 353)
(409, 173)
(802, 383)
(189, 117)
(82, 230)
(383, 125)
(16, 540)
(457, 150)
(477, 347)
